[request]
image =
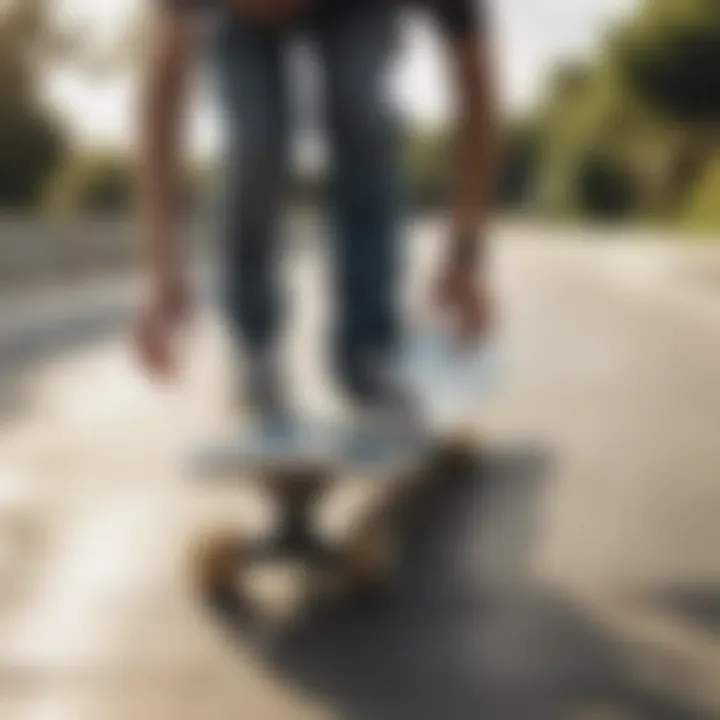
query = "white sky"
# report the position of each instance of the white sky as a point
(531, 35)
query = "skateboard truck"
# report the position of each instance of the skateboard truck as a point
(296, 494)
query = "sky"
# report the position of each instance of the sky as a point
(530, 37)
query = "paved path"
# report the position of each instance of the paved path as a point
(578, 578)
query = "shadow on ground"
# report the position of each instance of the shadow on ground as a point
(698, 605)
(468, 636)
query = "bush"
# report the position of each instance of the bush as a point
(31, 148)
(702, 211)
(605, 189)
(671, 58)
(90, 183)
(426, 168)
(519, 167)
(103, 182)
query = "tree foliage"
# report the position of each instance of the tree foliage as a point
(672, 58)
(702, 211)
(31, 140)
(103, 182)
(634, 131)
(97, 182)
(426, 167)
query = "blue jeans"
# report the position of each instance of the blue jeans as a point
(353, 50)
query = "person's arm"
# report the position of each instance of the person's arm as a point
(475, 146)
(161, 122)
(161, 119)
(462, 289)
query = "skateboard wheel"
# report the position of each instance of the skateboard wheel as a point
(371, 562)
(459, 455)
(216, 560)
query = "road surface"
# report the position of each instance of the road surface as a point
(579, 576)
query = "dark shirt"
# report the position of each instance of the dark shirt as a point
(457, 17)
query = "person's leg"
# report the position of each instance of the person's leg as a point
(355, 50)
(250, 68)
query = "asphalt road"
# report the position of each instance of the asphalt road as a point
(578, 576)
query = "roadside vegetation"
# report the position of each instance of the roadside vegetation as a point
(632, 134)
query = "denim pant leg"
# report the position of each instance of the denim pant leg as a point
(250, 69)
(355, 51)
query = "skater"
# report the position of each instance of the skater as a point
(353, 40)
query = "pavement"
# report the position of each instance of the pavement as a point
(577, 576)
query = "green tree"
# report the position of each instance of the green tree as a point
(672, 58)
(702, 210)
(102, 182)
(32, 142)
(586, 143)
(521, 146)
(97, 182)
(632, 131)
(426, 167)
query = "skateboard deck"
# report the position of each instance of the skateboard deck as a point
(327, 446)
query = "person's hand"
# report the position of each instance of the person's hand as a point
(166, 310)
(462, 294)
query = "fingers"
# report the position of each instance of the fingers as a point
(154, 347)
(176, 303)
(156, 330)
(468, 309)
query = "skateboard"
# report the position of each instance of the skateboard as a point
(407, 479)
(297, 467)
